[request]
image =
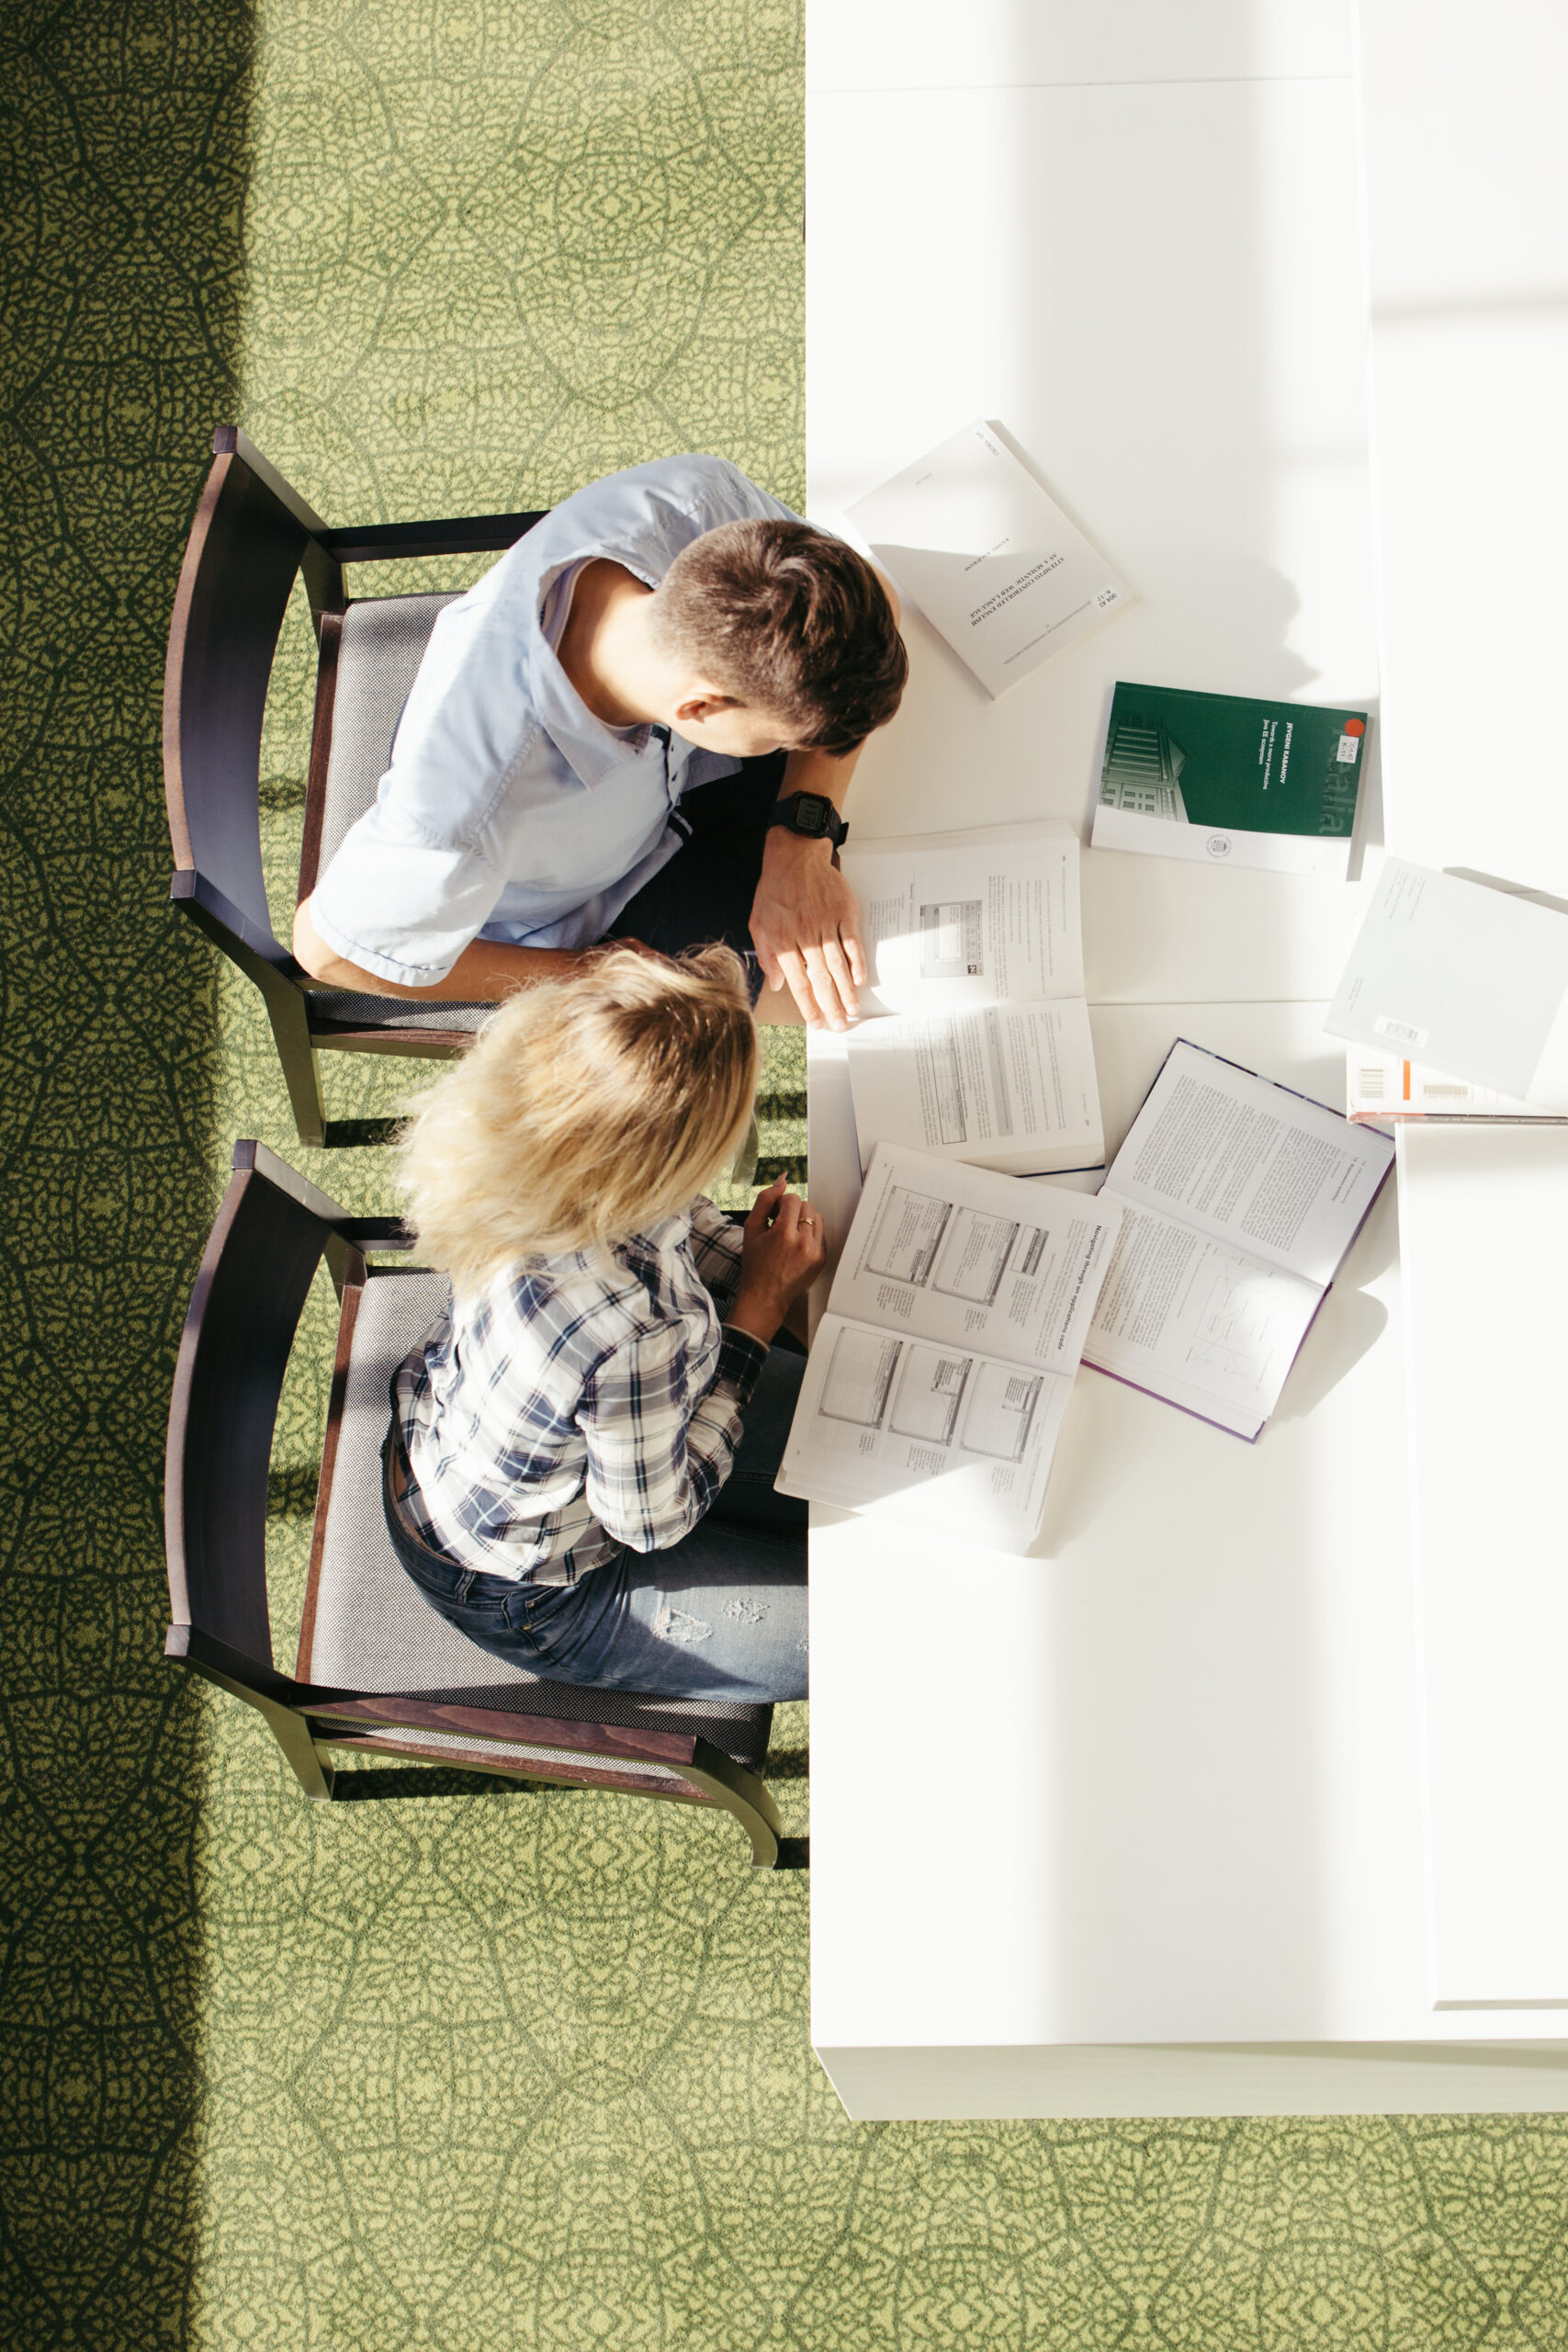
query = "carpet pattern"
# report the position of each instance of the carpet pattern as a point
(474, 2072)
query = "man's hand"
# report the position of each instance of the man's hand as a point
(806, 927)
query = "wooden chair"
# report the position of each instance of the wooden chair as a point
(378, 1671)
(251, 536)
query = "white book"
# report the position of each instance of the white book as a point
(939, 1373)
(1384, 1091)
(1239, 1199)
(969, 535)
(979, 1048)
(1469, 977)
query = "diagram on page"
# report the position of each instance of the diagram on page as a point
(952, 940)
(978, 1252)
(927, 1393)
(906, 1235)
(1234, 1331)
(860, 1376)
(1001, 1411)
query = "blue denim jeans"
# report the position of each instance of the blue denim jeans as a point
(719, 1615)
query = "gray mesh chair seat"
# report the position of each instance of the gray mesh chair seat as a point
(253, 537)
(377, 1668)
(380, 645)
(366, 1627)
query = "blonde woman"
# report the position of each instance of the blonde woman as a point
(581, 1463)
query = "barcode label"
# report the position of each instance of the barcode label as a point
(1432, 1086)
(1403, 1033)
(1348, 747)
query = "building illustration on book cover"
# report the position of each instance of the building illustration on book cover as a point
(1142, 765)
(1248, 782)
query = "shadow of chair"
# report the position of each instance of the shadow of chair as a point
(378, 1671)
(252, 536)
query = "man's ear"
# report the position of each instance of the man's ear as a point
(701, 703)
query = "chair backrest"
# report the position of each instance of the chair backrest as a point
(251, 535)
(271, 1233)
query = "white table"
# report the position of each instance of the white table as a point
(1135, 1826)
(1467, 221)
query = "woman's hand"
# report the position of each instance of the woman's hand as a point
(781, 1256)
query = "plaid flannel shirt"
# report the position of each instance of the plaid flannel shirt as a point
(583, 1405)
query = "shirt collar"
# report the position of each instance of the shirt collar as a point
(590, 749)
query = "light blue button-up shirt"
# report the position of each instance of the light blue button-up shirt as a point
(509, 811)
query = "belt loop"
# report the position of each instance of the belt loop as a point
(464, 1584)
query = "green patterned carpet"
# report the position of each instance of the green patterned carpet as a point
(478, 2071)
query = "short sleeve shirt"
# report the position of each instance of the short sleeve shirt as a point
(508, 811)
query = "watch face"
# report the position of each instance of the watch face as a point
(811, 813)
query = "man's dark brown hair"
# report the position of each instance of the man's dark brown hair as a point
(790, 621)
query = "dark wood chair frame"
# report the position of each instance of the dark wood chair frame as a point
(252, 536)
(272, 1232)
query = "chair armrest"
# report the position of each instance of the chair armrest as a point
(379, 1233)
(462, 535)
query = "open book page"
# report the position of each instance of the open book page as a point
(958, 920)
(1010, 1086)
(1249, 1164)
(956, 1255)
(940, 1434)
(972, 538)
(1199, 1322)
(1471, 979)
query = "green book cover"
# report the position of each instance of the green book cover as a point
(1234, 771)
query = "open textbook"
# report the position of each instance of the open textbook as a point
(975, 951)
(1469, 976)
(1239, 1200)
(969, 535)
(1383, 1091)
(939, 1373)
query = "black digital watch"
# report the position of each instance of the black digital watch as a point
(813, 814)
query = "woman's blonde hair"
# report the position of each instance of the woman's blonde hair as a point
(585, 1109)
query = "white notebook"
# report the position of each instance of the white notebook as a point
(969, 535)
(1469, 976)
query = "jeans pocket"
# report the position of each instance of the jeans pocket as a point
(548, 1615)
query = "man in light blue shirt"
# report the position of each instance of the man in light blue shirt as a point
(586, 753)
